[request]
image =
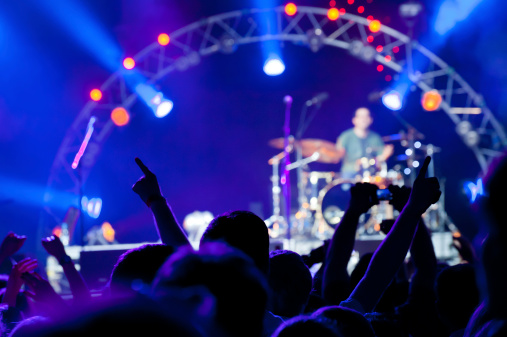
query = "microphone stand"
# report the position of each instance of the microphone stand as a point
(286, 174)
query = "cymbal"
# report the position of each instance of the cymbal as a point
(327, 150)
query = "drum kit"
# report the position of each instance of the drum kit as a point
(324, 195)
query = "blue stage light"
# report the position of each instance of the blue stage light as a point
(474, 190)
(274, 66)
(164, 108)
(92, 206)
(392, 100)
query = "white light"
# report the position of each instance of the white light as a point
(274, 66)
(407, 171)
(392, 100)
(417, 145)
(415, 163)
(164, 108)
(409, 152)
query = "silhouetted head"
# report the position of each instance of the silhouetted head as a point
(139, 317)
(457, 295)
(495, 188)
(349, 323)
(306, 326)
(240, 289)
(290, 281)
(242, 230)
(137, 268)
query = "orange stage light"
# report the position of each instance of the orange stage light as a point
(96, 95)
(431, 100)
(120, 116)
(375, 26)
(163, 39)
(291, 9)
(333, 14)
(129, 63)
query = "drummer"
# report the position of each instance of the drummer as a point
(358, 145)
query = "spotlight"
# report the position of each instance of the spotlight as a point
(290, 9)
(362, 52)
(96, 95)
(163, 39)
(473, 190)
(375, 26)
(463, 127)
(129, 63)
(392, 100)
(410, 10)
(92, 206)
(274, 66)
(431, 100)
(315, 39)
(333, 14)
(120, 116)
(228, 44)
(164, 108)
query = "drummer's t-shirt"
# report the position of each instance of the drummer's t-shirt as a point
(356, 148)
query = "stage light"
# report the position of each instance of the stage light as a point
(379, 48)
(164, 108)
(410, 10)
(342, 11)
(375, 26)
(388, 58)
(290, 9)
(388, 78)
(333, 14)
(415, 164)
(108, 232)
(360, 9)
(92, 206)
(392, 100)
(474, 190)
(332, 3)
(129, 63)
(358, 49)
(370, 18)
(417, 144)
(396, 49)
(369, 39)
(380, 68)
(431, 100)
(274, 66)
(96, 95)
(120, 116)
(228, 44)
(407, 171)
(350, 2)
(163, 39)
(315, 39)
(409, 152)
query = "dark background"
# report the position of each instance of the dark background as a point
(211, 152)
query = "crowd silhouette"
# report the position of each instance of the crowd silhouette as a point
(234, 286)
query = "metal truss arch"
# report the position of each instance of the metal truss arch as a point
(483, 134)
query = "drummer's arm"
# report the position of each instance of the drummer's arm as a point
(340, 152)
(386, 153)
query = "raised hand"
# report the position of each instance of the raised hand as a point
(147, 186)
(11, 244)
(54, 247)
(400, 196)
(363, 197)
(426, 191)
(40, 289)
(15, 279)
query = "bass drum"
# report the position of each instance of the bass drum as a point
(333, 201)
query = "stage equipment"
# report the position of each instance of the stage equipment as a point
(326, 150)
(202, 38)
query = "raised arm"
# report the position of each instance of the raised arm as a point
(78, 287)
(336, 282)
(11, 244)
(392, 251)
(148, 189)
